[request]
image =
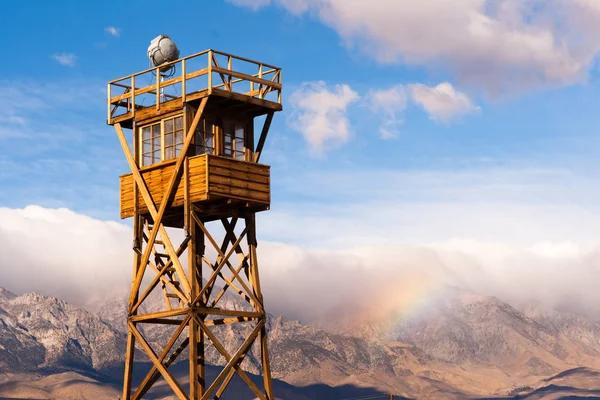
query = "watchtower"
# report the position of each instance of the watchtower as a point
(195, 164)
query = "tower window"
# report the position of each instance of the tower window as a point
(173, 134)
(205, 137)
(151, 144)
(162, 141)
(233, 140)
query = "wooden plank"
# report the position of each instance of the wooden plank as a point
(247, 99)
(242, 175)
(247, 77)
(158, 314)
(244, 59)
(233, 192)
(241, 184)
(238, 165)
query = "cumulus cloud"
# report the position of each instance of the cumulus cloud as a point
(320, 114)
(59, 252)
(500, 46)
(62, 253)
(66, 59)
(442, 102)
(112, 31)
(388, 104)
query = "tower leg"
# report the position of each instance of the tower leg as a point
(129, 353)
(264, 350)
(196, 335)
(255, 280)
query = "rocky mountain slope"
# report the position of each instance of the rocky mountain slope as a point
(465, 346)
(38, 332)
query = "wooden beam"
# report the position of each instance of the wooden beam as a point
(158, 228)
(163, 354)
(143, 389)
(228, 358)
(129, 354)
(159, 366)
(225, 261)
(234, 360)
(263, 136)
(160, 277)
(157, 215)
(158, 314)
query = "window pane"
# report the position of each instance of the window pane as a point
(147, 160)
(146, 133)
(146, 147)
(239, 132)
(169, 153)
(156, 145)
(239, 155)
(179, 123)
(228, 130)
(156, 130)
(169, 125)
(155, 156)
(239, 145)
(168, 139)
(179, 137)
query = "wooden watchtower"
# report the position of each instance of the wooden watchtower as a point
(194, 161)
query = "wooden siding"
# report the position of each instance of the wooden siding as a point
(239, 180)
(211, 178)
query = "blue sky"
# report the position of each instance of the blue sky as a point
(526, 136)
(467, 130)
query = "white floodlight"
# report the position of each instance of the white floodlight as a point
(162, 50)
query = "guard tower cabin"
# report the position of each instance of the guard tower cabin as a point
(225, 176)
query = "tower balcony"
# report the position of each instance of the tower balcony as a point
(217, 186)
(239, 83)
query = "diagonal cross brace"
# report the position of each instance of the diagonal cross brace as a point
(234, 359)
(225, 261)
(227, 356)
(162, 356)
(158, 364)
(157, 215)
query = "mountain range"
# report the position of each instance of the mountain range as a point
(465, 346)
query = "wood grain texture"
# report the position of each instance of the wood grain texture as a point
(210, 177)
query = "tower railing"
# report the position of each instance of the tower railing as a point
(190, 78)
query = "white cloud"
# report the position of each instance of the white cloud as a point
(66, 59)
(319, 114)
(500, 46)
(111, 30)
(61, 253)
(442, 102)
(388, 104)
